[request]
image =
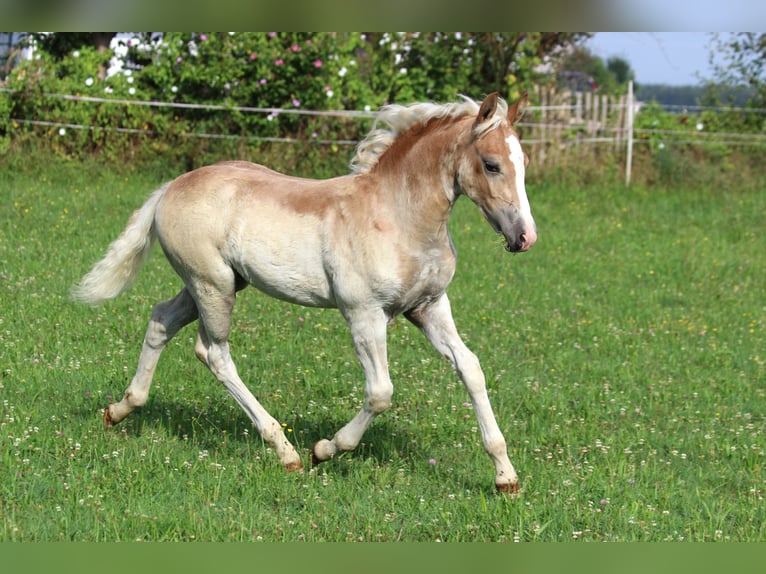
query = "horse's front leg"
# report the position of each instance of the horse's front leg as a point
(436, 322)
(368, 330)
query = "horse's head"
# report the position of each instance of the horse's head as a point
(491, 173)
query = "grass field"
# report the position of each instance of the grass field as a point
(624, 356)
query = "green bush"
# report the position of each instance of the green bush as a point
(274, 72)
(5, 127)
(281, 71)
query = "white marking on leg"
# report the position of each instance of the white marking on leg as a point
(437, 324)
(368, 330)
(221, 365)
(167, 319)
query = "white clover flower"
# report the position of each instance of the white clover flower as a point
(62, 131)
(76, 53)
(132, 91)
(174, 89)
(329, 93)
(89, 82)
(342, 71)
(700, 126)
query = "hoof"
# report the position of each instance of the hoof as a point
(294, 466)
(323, 450)
(508, 488)
(108, 422)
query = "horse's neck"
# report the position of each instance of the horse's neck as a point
(422, 180)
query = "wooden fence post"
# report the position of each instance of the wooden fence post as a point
(629, 159)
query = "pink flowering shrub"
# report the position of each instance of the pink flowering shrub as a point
(287, 71)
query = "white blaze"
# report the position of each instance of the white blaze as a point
(517, 159)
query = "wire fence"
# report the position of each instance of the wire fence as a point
(563, 121)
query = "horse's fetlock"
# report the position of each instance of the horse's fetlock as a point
(379, 405)
(495, 445)
(135, 400)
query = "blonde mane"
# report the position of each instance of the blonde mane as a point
(401, 118)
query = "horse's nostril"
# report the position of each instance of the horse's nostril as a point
(523, 238)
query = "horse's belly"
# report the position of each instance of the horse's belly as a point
(292, 280)
(298, 290)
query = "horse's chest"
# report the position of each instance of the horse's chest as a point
(435, 274)
(428, 277)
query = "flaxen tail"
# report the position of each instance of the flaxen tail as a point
(119, 268)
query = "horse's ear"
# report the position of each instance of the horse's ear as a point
(487, 109)
(516, 111)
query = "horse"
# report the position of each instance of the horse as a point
(373, 243)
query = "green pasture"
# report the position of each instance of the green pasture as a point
(624, 356)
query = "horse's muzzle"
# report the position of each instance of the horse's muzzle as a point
(523, 242)
(520, 232)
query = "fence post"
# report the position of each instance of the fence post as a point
(629, 159)
(618, 135)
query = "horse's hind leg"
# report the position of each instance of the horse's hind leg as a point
(368, 330)
(167, 319)
(212, 348)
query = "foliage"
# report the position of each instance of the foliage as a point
(5, 125)
(743, 57)
(77, 74)
(665, 134)
(620, 69)
(59, 45)
(274, 72)
(610, 76)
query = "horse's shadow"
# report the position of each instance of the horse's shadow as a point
(206, 426)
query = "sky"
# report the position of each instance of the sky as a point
(673, 58)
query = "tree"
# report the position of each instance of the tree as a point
(611, 76)
(439, 65)
(621, 70)
(743, 57)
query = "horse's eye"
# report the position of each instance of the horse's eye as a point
(491, 166)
